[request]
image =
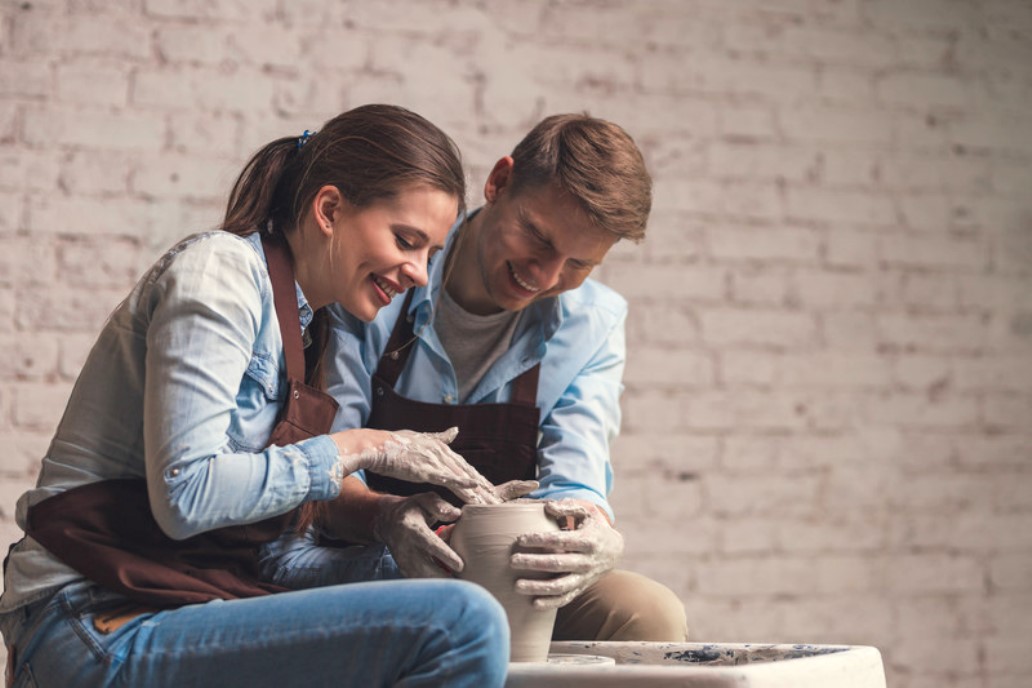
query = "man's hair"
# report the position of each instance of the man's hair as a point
(594, 161)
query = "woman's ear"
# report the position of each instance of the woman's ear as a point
(327, 208)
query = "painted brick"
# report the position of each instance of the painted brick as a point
(849, 249)
(230, 10)
(230, 90)
(765, 244)
(214, 134)
(653, 366)
(930, 374)
(849, 331)
(175, 176)
(749, 123)
(26, 79)
(924, 90)
(760, 284)
(1011, 572)
(1007, 410)
(111, 36)
(931, 573)
(757, 328)
(830, 370)
(25, 262)
(666, 282)
(99, 263)
(91, 173)
(821, 290)
(756, 161)
(28, 359)
(763, 495)
(94, 128)
(86, 216)
(92, 84)
(67, 310)
(678, 455)
(856, 207)
(838, 125)
(933, 332)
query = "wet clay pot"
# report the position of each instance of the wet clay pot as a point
(485, 539)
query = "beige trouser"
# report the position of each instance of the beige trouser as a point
(622, 606)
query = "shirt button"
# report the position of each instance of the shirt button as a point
(174, 472)
(448, 398)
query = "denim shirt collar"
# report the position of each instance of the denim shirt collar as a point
(547, 312)
(304, 311)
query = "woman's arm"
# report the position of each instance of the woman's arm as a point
(207, 311)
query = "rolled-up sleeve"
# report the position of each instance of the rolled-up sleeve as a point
(206, 311)
(573, 452)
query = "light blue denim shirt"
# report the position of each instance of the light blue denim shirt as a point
(578, 337)
(182, 387)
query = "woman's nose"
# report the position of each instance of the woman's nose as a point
(415, 272)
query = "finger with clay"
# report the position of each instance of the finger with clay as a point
(578, 556)
(422, 457)
(404, 525)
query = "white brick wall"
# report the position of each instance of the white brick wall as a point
(828, 428)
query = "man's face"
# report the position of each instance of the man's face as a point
(532, 245)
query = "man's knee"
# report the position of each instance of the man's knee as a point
(624, 606)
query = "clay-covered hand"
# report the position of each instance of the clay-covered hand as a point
(578, 556)
(424, 457)
(514, 489)
(403, 524)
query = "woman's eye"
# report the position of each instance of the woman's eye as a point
(402, 242)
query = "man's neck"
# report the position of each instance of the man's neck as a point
(464, 281)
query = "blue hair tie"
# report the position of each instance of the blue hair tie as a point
(303, 138)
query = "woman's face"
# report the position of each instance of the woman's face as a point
(380, 250)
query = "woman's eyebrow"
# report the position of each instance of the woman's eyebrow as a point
(423, 236)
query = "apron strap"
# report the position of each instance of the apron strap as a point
(524, 388)
(284, 296)
(399, 346)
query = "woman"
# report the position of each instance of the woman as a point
(196, 432)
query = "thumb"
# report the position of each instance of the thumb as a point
(446, 436)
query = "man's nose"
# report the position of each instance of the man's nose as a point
(549, 271)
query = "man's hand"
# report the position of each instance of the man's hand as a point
(403, 524)
(580, 555)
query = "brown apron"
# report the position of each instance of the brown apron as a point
(499, 440)
(106, 530)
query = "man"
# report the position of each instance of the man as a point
(513, 344)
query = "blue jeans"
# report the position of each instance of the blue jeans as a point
(403, 633)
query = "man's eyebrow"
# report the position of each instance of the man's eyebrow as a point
(528, 224)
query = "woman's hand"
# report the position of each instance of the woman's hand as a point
(416, 457)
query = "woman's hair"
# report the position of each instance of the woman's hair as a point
(369, 153)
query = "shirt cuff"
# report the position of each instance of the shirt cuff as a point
(324, 467)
